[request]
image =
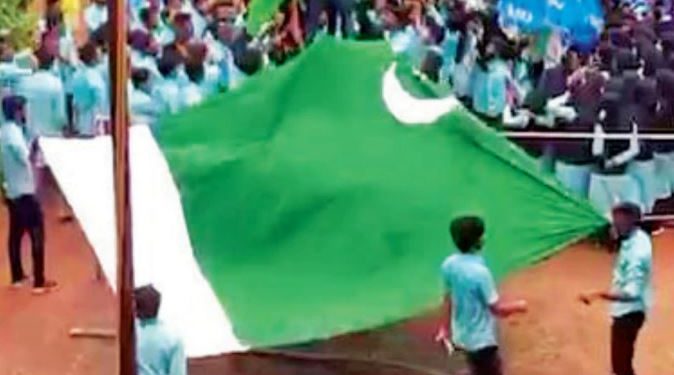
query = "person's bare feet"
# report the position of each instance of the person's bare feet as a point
(47, 287)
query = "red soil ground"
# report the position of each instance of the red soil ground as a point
(559, 336)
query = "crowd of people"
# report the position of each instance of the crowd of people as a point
(184, 51)
(623, 86)
(181, 52)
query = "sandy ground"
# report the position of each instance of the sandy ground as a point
(34, 330)
(562, 336)
(559, 335)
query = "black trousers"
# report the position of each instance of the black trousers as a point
(336, 10)
(485, 362)
(624, 334)
(25, 215)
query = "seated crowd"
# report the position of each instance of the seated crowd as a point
(184, 51)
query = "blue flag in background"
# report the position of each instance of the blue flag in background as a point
(524, 15)
(581, 20)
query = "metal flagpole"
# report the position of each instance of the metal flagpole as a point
(120, 139)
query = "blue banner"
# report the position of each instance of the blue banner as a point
(581, 20)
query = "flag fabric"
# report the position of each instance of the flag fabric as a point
(581, 20)
(317, 197)
(313, 201)
(261, 12)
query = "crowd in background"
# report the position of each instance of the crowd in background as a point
(184, 51)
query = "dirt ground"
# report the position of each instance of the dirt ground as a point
(559, 335)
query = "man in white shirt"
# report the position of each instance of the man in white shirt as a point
(631, 292)
(45, 96)
(25, 214)
(159, 351)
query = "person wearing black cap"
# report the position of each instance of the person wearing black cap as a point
(631, 294)
(609, 184)
(643, 166)
(667, 43)
(25, 213)
(574, 157)
(653, 60)
(664, 150)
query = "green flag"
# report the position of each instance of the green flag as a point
(261, 12)
(318, 196)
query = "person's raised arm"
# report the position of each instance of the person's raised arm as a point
(517, 121)
(630, 153)
(598, 142)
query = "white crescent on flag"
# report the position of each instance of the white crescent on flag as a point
(408, 109)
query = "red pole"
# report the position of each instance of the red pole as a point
(120, 138)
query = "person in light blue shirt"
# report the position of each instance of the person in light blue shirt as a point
(64, 67)
(166, 93)
(198, 54)
(489, 87)
(143, 109)
(631, 293)
(10, 76)
(25, 213)
(464, 68)
(199, 12)
(408, 42)
(449, 47)
(191, 93)
(46, 98)
(159, 351)
(472, 303)
(144, 51)
(150, 22)
(10, 72)
(90, 93)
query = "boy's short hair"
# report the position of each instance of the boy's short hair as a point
(88, 53)
(11, 104)
(466, 232)
(148, 300)
(628, 209)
